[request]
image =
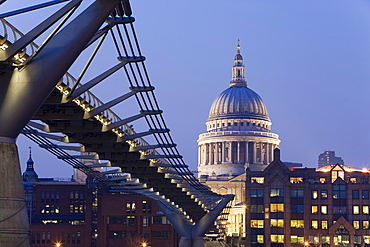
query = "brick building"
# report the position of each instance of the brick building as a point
(80, 214)
(288, 206)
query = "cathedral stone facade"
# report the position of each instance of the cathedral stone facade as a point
(238, 130)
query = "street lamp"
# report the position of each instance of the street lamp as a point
(306, 243)
(57, 244)
(143, 244)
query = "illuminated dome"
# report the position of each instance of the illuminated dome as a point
(238, 130)
(238, 102)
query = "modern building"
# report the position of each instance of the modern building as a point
(295, 206)
(329, 158)
(238, 137)
(91, 214)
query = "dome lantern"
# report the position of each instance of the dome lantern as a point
(238, 70)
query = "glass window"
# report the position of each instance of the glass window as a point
(355, 194)
(314, 209)
(325, 239)
(324, 194)
(314, 194)
(365, 209)
(356, 224)
(277, 207)
(365, 194)
(322, 180)
(356, 209)
(339, 190)
(296, 239)
(365, 224)
(324, 224)
(296, 193)
(339, 209)
(367, 239)
(257, 239)
(297, 223)
(257, 223)
(324, 209)
(296, 180)
(275, 192)
(277, 223)
(257, 209)
(353, 180)
(277, 238)
(256, 193)
(258, 180)
(315, 224)
(296, 208)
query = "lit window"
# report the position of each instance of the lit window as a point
(365, 209)
(258, 180)
(277, 238)
(356, 209)
(324, 209)
(257, 223)
(276, 192)
(322, 180)
(365, 224)
(277, 207)
(324, 224)
(324, 194)
(314, 224)
(367, 239)
(297, 223)
(315, 194)
(277, 223)
(325, 239)
(260, 239)
(336, 173)
(353, 180)
(356, 224)
(296, 180)
(314, 209)
(296, 239)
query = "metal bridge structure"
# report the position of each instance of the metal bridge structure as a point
(63, 114)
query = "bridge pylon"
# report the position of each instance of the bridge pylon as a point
(23, 89)
(192, 235)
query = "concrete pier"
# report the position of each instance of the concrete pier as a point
(14, 226)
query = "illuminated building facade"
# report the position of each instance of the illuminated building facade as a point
(80, 214)
(288, 206)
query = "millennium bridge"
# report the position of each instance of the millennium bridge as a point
(40, 99)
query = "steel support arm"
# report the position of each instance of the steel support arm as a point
(22, 92)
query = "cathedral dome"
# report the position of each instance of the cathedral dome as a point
(238, 102)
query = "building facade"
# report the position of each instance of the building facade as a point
(289, 206)
(80, 214)
(329, 158)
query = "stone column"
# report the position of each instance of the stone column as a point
(230, 152)
(254, 153)
(238, 152)
(14, 226)
(246, 152)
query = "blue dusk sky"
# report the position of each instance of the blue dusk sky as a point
(309, 61)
